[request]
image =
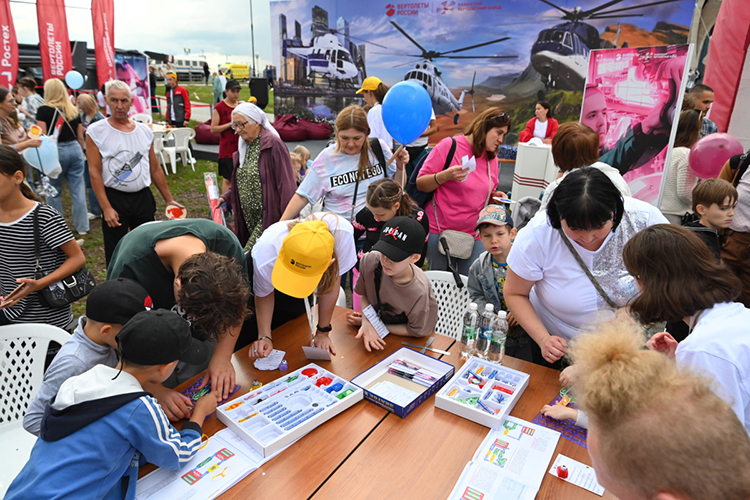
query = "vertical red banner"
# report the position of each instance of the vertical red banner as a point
(9, 52)
(103, 15)
(54, 43)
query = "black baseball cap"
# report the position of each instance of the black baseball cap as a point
(400, 238)
(116, 301)
(160, 337)
(233, 84)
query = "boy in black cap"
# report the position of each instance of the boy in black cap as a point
(101, 425)
(397, 289)
(108, 307)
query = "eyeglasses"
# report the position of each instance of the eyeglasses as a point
(238, 126)
(503, 117)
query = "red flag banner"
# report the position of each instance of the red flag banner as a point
(9, 52)
(54, 43)
(103, 15)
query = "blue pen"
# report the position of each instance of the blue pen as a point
(485, 408)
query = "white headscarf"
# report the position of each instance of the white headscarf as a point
(255, 114)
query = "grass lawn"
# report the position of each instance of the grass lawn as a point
(187, 187)
(206, 95)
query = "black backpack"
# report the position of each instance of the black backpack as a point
(419, 197)
(740, 164)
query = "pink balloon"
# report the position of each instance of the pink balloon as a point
(708, 155)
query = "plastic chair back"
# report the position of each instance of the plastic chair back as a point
(341, 301)
(452, 302)
(23, 351)
(182, 137)
(143, 118)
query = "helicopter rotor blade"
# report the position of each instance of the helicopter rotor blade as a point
(616, 16)
(638, 6)
(360, 39)
(473, 106)
(407, 63)
(555, 6)
(478, 57)
(588, 13)
(475, 46)
(399, 28)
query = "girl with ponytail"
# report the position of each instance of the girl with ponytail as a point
(59, 254)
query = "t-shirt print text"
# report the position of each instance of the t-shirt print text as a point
(351, 177)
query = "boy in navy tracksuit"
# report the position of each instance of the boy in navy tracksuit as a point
(101, 425)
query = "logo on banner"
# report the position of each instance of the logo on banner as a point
(406, 9)
(446, 7)
(390, 10)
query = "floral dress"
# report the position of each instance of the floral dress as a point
(251, 194)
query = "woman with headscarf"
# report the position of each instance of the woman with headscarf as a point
(263, 178)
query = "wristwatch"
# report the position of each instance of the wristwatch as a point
(323, 329)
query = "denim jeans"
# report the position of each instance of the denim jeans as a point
(94, 206)
(72, 163)
(438, 261)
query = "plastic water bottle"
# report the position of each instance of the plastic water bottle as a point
(469, 333)
(49, 190)
(499, 334)
(485, 331)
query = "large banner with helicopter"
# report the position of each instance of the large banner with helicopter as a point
(632, 100)
(469, 55)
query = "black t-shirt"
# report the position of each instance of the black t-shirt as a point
(364, 223)
(69, 131)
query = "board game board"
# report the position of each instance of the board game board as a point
(567, 428)
(194, 393)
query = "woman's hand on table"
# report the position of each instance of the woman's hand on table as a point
(454, 173)
(554, 348)
(260, 348)
(663, 343)
(323, 341)
(370, 337)
(221, 375)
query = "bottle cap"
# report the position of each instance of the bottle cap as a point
(472, 306)
(283, 366)
(489, 307)
(502, 314)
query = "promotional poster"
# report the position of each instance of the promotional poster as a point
(468, 55)
(632, 98)
(133, 70)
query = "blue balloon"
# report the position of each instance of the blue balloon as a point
(44, 158)
(407, 110)
(74, 79)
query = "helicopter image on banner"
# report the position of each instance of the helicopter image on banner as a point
(328, 58)
(560, 54)
(426, 74)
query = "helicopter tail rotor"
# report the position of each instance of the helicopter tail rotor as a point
(471, 92)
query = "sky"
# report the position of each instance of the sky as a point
(168, 26)
(439, 30)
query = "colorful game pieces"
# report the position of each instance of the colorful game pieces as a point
(309, 372)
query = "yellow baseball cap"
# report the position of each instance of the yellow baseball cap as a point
(371, 83)
(304, 256)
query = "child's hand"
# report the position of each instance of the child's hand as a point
(569, 375)
(512, 321)
(371, 338)
(205, 405)
(560, 412)
(663, 343)
(354, 318)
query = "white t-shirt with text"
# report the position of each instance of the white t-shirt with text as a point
(125, 155)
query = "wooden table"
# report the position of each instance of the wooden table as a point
(366, 452)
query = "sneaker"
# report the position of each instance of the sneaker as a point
(83, 233)
(79, 241)
(94, 216)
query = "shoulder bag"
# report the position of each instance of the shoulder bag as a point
(69, 289)
(586, 270)
(377, 150)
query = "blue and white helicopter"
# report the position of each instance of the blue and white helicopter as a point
(560, 54)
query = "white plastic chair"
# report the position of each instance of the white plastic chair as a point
(159, 150)
(23, 351)
(143, 118)
(452, 302)
(341, 301)
(181, 137)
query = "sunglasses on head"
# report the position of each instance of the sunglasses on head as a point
(503, 117)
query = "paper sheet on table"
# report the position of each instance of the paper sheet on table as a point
(578, 473)
(375, 321)
(509, 464)
(271, 362)
(221, 464)
(394, 392)
(316, 353)
(469, 165)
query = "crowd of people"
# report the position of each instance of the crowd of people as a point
(579, 281)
